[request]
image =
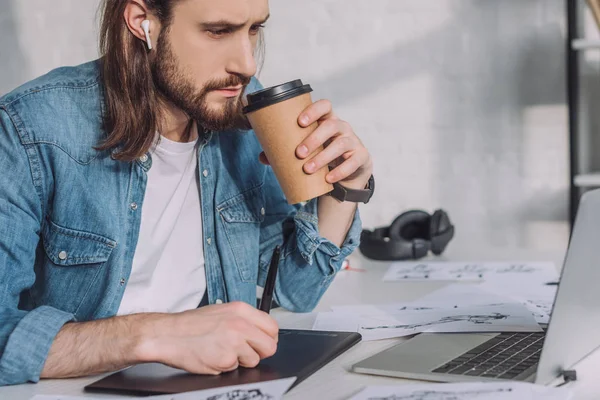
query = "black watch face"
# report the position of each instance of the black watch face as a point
(371, 186)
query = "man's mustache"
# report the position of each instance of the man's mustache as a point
(231, 81)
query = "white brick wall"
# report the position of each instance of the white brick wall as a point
(461, 102)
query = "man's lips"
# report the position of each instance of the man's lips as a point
(229, 91)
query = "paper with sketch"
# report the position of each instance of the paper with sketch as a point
(465, 391)
(538, 300)
(463, 271)
(538, 297)
(456, 296)
(270, 390)
(451, 296)
(525, 283)
(383, 325)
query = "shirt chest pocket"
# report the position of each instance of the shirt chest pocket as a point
(69, 247)
(241, 217)
(72, 266)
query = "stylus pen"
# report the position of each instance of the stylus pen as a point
(267, 296)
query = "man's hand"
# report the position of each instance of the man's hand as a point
(350, 163)
(212, 339)
(209, 340)
(343, 151)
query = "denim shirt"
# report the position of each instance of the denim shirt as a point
(70, 218)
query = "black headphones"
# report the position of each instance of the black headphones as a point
(411, 236)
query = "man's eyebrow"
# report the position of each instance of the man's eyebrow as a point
(265, 19)
(220, 24)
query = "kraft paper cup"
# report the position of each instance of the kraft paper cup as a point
(273, 114)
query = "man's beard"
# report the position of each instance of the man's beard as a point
(176, 89)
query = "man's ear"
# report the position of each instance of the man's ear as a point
(135, 13)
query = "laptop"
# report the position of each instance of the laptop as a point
(541, 357)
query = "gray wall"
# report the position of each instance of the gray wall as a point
(38, 35)
(461, 102)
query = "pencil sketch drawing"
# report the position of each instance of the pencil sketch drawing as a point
(474, 319)
(254, 394)
(469, 270)
(517, 269)
(419, 271)
(444, 395)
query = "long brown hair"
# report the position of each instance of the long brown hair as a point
(132, 114)
(131, 99)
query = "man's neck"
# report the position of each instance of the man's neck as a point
(176, 125)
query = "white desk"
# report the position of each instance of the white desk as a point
(353, 287)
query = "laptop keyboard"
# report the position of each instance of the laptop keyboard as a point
(505, 357)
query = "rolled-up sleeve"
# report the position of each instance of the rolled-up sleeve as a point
(309, 262)
(312, 246)
(27, 338)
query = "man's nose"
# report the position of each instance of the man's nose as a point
(242, 60)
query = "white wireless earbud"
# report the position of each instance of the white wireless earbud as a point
(146, 28)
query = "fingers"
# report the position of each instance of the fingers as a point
(340, 146)
(263, 344)
(260, 319)
(314, 112)
(251, 344)
(226, 360)
(319, 136)
(349, 167)
(256, 346)
(247, 356)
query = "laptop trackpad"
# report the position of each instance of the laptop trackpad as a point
(421, 354)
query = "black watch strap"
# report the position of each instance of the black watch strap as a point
(342, 193)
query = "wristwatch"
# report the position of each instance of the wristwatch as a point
(342, 193)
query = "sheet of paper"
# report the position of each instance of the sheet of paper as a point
(538, 296)
(455, 296)
(448, 297)
(60, 397)
(342, 322)
(526, 283)
(462, 295)
(383, 325)
(464, 391)
(461, 271)
(271, 390)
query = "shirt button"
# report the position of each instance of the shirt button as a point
(144, 158)
(219, 301)
(205, 173)
(62, 255)
(122, 282)
(262, 211)
(133, 206)
(209, 240)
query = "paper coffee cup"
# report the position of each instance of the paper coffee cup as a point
(273, 113)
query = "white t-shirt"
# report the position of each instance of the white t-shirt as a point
(168, 265)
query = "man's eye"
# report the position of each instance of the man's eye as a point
(220, 32)
(254, 29)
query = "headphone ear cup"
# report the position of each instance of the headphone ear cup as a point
(420, 248)
(378, 245)
(441, 231)
(410, 225)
